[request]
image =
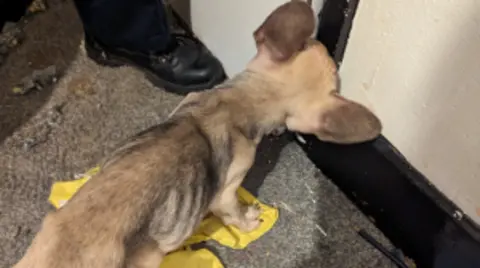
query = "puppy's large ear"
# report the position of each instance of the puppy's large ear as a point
(286, 30)
(344, 121)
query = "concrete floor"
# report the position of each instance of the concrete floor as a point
(91, 109)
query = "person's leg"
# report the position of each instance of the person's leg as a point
(136, 32)
(130, 24)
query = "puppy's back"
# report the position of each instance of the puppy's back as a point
(159, 183)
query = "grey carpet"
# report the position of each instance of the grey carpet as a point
(60, 132)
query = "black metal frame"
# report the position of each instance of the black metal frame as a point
(414, 215)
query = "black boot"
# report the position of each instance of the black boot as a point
(184, 67)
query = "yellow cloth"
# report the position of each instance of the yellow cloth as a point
(211, 228)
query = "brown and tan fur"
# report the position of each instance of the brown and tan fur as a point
(152, 193)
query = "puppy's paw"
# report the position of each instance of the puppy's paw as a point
(250, 219)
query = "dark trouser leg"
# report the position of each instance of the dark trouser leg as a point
(138, 25)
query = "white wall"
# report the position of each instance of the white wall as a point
(226, 27)
(417, 64)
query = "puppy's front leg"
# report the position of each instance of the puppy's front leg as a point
(226, 205)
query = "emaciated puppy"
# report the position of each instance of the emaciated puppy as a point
(152, 193)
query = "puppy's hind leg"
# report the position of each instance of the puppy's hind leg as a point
(226, 205)
(144, 252)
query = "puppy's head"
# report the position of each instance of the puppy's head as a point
(288, 54)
